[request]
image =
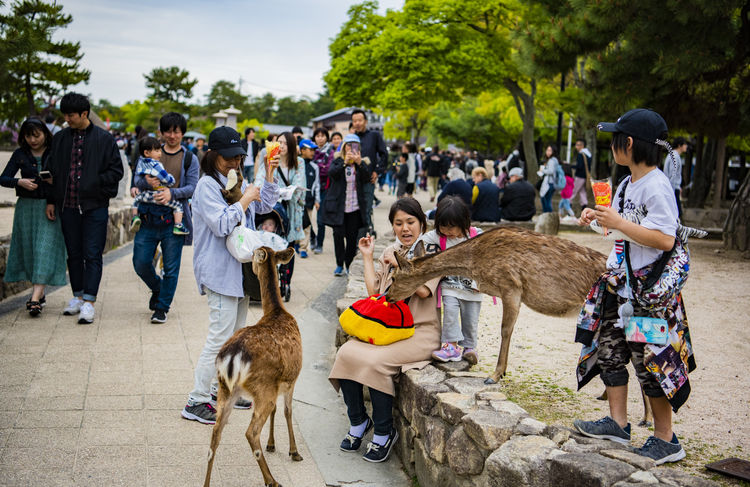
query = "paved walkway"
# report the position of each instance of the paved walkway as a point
(100, 404)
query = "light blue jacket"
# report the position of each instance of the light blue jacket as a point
(213, 220)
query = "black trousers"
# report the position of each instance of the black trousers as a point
(345, 238)
(382, 406)
(85, 234)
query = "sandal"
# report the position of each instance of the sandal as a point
(42, 302)
(35, 308)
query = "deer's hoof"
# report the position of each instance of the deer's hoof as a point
(270, 448)
(645, 424)
(295, 456)
(490, 380)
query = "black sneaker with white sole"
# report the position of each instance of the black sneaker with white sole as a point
(159, 316)
(351, 442)
(379, 453)
(203, 413)
(604, 429)
(240, 404)
(662, 451)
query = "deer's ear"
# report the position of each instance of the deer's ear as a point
(419, 250)
(260, 255)
(285, 256)
(403, 264)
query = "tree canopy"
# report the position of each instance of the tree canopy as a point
(35, 68)
(170, 84)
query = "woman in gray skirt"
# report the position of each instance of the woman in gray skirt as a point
(37, 249)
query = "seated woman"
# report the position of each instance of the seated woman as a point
(485, 197)
(359, 363)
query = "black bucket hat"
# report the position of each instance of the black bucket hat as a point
(226, 141)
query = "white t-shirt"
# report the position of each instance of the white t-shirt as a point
(654, 194)
(456, 286)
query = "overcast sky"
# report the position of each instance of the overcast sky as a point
(279, 47)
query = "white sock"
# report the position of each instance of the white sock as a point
(380, 439)
(359, 430)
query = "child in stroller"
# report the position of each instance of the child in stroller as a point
(277, 222)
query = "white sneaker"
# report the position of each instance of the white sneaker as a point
(87, 314)
(73, 307)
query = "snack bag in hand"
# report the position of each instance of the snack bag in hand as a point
(602, 194)
(272, 150)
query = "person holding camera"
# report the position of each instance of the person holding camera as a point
(37, 249)
(345, 208)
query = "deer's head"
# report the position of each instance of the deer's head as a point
(265, 257)
(405, 280)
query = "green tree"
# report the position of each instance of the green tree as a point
(224, 94)
(170, 84)
(33, 64)
(433, 51)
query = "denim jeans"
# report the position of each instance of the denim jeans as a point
(547, 200)
(85, 235)
(144, 248)
(226, 315)
(382, 406)
(248, 172)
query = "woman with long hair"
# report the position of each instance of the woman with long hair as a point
(547, 171)
(37, 249)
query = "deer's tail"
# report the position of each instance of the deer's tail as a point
(233, 366)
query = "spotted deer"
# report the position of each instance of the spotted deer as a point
(262, 362)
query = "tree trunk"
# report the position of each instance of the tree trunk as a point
(525, 106)
(721, 163)
(702, 176)
(736, 235)
(29, 96)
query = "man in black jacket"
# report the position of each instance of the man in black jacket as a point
(86, 168)
(517, 203)
(373, 147)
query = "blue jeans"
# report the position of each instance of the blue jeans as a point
(247, 173)
(547, 200)
(85, 235)
(144, 248)
(565, 206)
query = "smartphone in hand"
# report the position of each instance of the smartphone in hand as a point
(354, 147)
(45, 175)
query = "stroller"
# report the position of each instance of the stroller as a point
(278, 214)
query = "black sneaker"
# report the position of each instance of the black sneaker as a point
(604, 429)
(379, 453)
(203, 413)
(152, 301)
(351, 442)
(159, 316)
(240, 404)
(662, 451)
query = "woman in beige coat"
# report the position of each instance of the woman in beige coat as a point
(359, 363)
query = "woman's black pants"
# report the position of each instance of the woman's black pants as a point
(382, 406)
(345, 238)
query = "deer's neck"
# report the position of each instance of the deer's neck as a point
(270, 295)
(442, 264)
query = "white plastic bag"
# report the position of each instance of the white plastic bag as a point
(243, 241)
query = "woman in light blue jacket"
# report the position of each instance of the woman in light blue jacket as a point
(218, 274)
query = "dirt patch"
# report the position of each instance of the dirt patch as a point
(715, 421)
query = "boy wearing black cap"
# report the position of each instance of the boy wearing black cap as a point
(312, 197)
(618, 294)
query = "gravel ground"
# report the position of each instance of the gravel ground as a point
(713, 424)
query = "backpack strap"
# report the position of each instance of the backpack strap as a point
(187, 159)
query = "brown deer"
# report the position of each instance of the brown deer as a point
(261, 362)
(550, 275)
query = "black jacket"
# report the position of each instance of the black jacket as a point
(458, 187)
(252, 151)
(434, 165)
(25, 161)
(517, 202)
(373, 146)
(102, 168)
(487, 205)
(333, 206)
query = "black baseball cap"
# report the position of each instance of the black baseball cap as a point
(640, 123)
(226, 141)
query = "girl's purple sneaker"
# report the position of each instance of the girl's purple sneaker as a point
(447, 353)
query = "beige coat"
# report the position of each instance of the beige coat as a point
(376, 365)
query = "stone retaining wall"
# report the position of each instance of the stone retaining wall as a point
(117, 236)
(456, 431)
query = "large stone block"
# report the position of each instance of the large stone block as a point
(434, 433)
(508, 408)
(466, 385)
(461, 366)
(454, 406)
(591, 470)
(548, 223)
(404, 448)
(489, 429)
(674, 477)
(464, 456)
(521, 462)
(639, 461)
(429, 472)
(418, 389)
(530, 426)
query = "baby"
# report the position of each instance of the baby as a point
(149, 165)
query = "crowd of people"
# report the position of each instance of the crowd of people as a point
(67, 180)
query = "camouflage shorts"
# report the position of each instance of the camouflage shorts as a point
(615, 351)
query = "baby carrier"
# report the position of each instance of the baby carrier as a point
(252, 285)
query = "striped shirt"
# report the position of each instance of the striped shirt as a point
(350, 203)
